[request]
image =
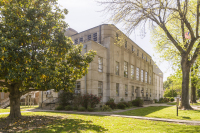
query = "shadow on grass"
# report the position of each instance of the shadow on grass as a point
(186, 117)
(49, 124)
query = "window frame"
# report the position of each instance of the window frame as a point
(117, 68)
(142, 75)
(95, 37)
(100, 64)
(117, 89)
(125, 69)
(132, 72)
(138, 73)
(100, 88)
(76, 90)
(146, 75)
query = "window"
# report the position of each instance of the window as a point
(142, 56)
(117, 68)
(126, 90)
(142, 91)
(100, 62)
(146, 58)
(146, 92)
(146, 73)
(132, 72)
(80, 39)
(142, 76)
(126, 69)
(137, 52)
(95, 37)
(2, 95)
(149, 79)
(77, 87)
(89, 37)
(117, 89)
(76, 41)
(132, 48)
(117, 37)
(132, 91)
(100, 88)
(150, 61)
(137, 73)
(150, 92)
(125, 44)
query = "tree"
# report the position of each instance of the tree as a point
(160, 13)
(34, 52)
(170, 93)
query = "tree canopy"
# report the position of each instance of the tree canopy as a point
(34, 52)
(175, 18)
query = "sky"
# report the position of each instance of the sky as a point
(85, 14)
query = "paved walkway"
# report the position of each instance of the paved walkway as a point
(113, 113)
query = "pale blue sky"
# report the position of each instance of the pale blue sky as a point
(85, 14)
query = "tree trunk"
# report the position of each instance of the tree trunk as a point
(194, 83)
(193, 93)
(185, 84)
(14, 102)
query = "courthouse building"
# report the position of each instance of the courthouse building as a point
(121, 69)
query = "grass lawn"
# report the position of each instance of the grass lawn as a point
(50, 122)
(174, 103)
(23, 108)
(165, 112)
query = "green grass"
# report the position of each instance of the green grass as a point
(174, 103)
(196, 104)
(50, 122)
(165, 112)
(23, 108)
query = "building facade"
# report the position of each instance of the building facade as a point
(120, 70)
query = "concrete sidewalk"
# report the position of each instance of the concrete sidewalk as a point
(113, 114)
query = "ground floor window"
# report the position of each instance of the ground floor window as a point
(77, 89)
(133, 91)
(126, 90)
(100, 88)
(117, 89)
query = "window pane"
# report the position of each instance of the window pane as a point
(117, 68)
(100, 88)
(100, 64)
(126, 69)
(78, 87)
(95, 37)
(132, 91)
(126, 90)
(117, 89)
(137, 73)
(132, 72)
(141, 75)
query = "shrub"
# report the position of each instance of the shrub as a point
(155, 100)
(111, 103)
(68, 107)
(90, 99)
(121, 105)
(138, 102)
(90, 109)
(163, 100)
(60, 107)
(81, 109)
(65, 98)
(77, 101)
(75, 108)
(171, 99)
(106, 108)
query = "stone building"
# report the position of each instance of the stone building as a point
(121, 69)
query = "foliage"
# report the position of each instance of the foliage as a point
(106, 108)
(34, 52)
(90, 109)
(81, 109)
(169, 92)
(90, 100)
(171, 99)
(138, 102)
(60, 107)
(121, 105)
(65, 98)
(111, 103)
(163, 100)
(77, 101)
(68, 107)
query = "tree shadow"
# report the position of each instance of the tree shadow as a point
(49, 124)
(186, 117)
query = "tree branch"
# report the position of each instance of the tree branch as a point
(195, 55)
(4, 84)
(198, 15)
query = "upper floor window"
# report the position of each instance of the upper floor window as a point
(117, 89)
(100, 88)
(76, 41)
(137, 52)
(146, 73)
(126, 69)
(150, 61)
(117, 36)
(146, 59)
(132, 48)
(132, 72)
(77, 87)
(126, 90)
(125, 44)
(89, 37)
(142, 76)
(117, 68)
(137, 73)
(142, 56)
(81, 40)
(95, 37)
(100, 64)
